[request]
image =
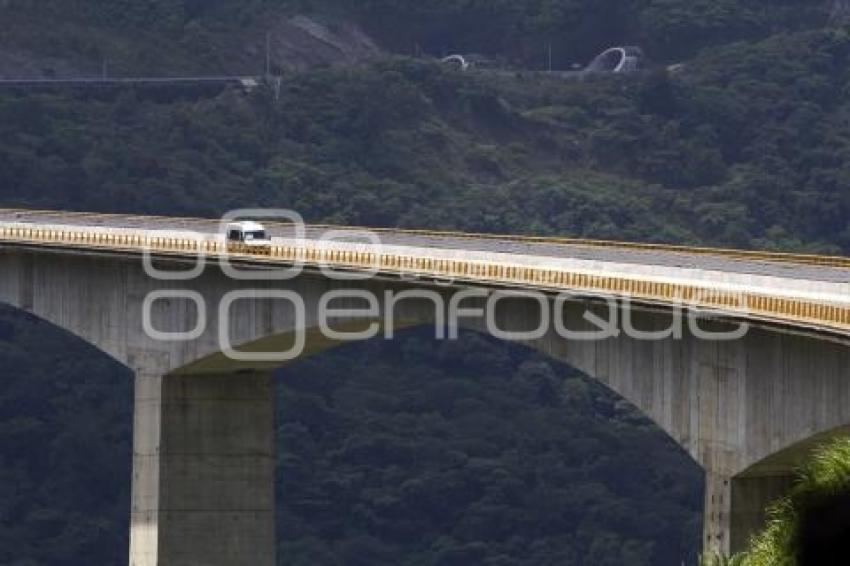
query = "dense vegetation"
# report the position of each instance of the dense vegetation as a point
(415, 452)
(64, 449)
(474, 454)
(201, 32)
(747, 146)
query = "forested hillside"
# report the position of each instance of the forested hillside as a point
(745, 146)
(415, 452)
(228, 35)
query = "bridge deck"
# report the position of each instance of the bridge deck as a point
(804, 291)
(786, 266)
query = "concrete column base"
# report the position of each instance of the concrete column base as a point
(717, 514)
(203, 471)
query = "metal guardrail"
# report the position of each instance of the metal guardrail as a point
(828, 316)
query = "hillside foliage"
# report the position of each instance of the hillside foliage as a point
(746, 147)
(193, 34)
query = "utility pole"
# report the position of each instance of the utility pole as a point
(268, 54)
(278, 83)
(550, 56)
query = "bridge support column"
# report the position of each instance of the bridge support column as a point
(717, 514)
(203, 471)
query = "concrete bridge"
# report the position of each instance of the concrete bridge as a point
(741, 357)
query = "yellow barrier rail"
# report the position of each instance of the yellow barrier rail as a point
(727, 253)
(824, 315)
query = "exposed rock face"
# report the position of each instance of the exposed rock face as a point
(301, 42)
(295, 43)
(839, 12)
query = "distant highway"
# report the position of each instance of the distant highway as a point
(244, 81)
(614, 60)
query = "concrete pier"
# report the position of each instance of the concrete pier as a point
(203, 471)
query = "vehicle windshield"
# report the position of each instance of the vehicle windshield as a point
(256, 235)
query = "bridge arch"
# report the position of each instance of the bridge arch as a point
(217, 369)
(670, 378)
(729, 404)
(78, 297)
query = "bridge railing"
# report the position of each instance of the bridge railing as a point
(831, 315)
(751, 255)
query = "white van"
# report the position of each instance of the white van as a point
(247, 233)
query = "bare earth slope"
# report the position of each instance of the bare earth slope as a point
(295, 43)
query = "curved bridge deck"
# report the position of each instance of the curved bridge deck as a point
(802, 290)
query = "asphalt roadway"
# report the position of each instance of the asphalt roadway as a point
(696, 258)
